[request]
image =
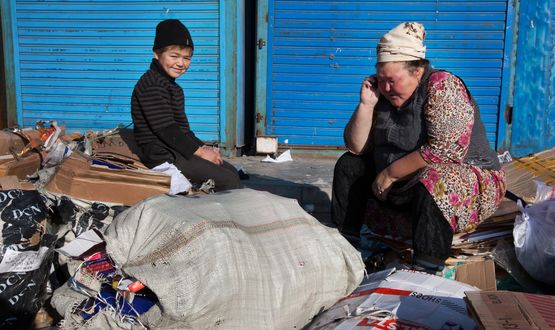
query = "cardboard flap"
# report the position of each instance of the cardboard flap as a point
(480, 274)
(512, 310)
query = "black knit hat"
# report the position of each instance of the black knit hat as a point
(172, 32)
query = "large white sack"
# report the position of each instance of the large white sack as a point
(241, 259)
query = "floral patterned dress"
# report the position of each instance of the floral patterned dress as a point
(465, 194)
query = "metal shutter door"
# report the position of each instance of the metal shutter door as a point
(319, 52)
(77, 61)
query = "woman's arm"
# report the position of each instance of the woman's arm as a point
(449, 117)
(358, 128)
(397, 170)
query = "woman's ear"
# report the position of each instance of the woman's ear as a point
(156, 55)
(418, 72)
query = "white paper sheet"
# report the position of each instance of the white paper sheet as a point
(284, 157)
(179, 182)
(22, 261)
(81, 244)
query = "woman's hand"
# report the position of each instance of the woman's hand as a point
(369, 92)
(358, 128)
(211, 154)
(382, 184)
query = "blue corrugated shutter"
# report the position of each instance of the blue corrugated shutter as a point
(533, 120)
(77, 61)
(319, 52)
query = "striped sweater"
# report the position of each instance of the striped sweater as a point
(158, 103)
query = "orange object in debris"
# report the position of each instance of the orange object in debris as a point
(136, 286)
(46, 132)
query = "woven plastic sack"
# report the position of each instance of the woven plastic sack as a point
(534, 239)
(241, 259)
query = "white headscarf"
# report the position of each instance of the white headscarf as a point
(405, 42)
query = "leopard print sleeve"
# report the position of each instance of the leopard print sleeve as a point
(449, 116)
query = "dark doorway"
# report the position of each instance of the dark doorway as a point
(3, 100)
(250, 71)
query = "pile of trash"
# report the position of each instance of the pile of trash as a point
(89, 232)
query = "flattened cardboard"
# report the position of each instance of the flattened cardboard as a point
(9, 182)
(20, 167)
(480, 274)
(511, 310)
(521, 172)
(76, 177)
(113, 145)
(122, 144)
(12, 182)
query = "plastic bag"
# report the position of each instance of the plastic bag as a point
(534, 239)
(26, 254)
(543, 191)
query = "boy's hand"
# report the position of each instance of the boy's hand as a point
(211, 154)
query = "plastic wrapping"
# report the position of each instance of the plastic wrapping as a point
(543, 191)
(534, 239)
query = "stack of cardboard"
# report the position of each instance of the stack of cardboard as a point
(78, 177)
(485, 236)
(113, 173)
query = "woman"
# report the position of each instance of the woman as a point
(416, 136)
(160, 125)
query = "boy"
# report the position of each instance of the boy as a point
(161, 128)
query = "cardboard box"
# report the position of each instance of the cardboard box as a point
(511, 310)
(76, 177)
(476, 271)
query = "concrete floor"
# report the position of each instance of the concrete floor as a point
(307, 179)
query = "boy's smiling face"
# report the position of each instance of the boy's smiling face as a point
(175, 60)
